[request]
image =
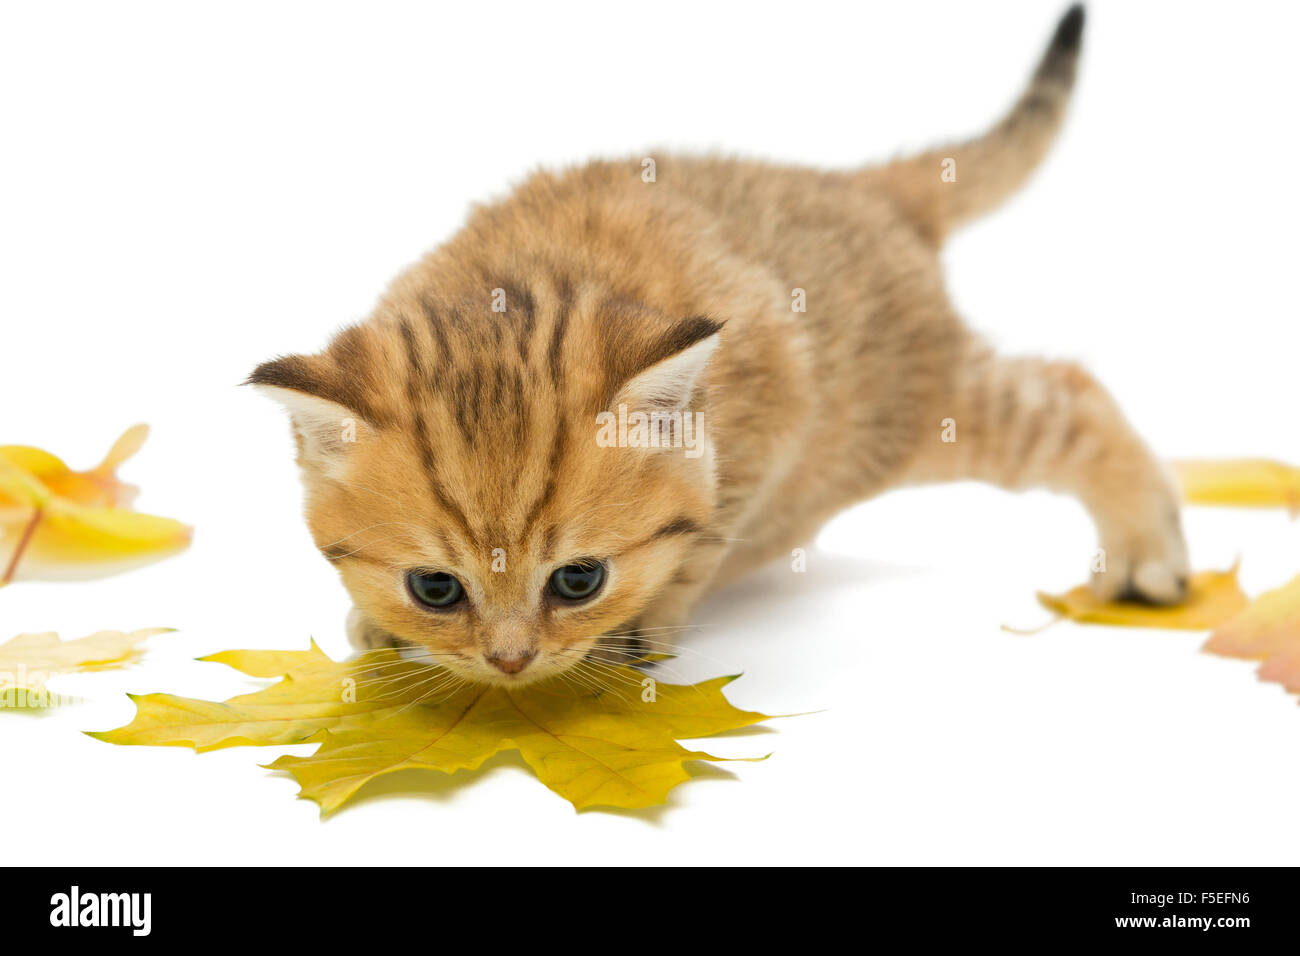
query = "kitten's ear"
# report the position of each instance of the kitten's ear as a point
(677, 363)
(324, 427)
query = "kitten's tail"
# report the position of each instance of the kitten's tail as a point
(945, 187)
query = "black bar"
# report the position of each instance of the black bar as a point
(1229, 907)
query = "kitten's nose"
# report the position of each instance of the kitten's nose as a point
(512, 663)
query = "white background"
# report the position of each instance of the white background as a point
(190, 189)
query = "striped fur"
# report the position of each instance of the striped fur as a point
(475, 430)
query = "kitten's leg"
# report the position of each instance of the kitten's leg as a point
(365, 635)
(1022, 423)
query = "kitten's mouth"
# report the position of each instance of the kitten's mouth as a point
(489, 674)
(608, 652)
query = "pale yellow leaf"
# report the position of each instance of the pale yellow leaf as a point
(28, 661)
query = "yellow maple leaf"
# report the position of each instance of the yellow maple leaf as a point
(29, 660)
(58, 524)
(1247, 483)
(614, 745)
(265, 663)
(1212, 598)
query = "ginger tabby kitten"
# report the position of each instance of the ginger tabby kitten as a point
(460, 467)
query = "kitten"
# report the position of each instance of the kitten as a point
(474, 454)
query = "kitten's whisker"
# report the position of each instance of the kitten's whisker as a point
(591, 678)
(678, 681)
(398, 678)
(386, 672)
(456, 687)
(611, 675)
(659, 666)
(424, 655)
(648, 647)
(402, 683)
(380, 524)
(601, 681)
(450, 679)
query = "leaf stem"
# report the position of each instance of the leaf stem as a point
(23, 541)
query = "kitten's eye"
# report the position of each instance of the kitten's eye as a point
(434, 588)
(577, 582)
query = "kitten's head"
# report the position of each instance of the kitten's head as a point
(481, 479)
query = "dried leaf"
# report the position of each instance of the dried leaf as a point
(56, 523)
(1284, 669)
(609, 746)
(29, 660)
(1248, 483)
(1268, 631)
(1212, 598)
(1269, 626)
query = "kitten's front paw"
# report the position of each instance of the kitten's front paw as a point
(365, 636)
(1146, 562)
